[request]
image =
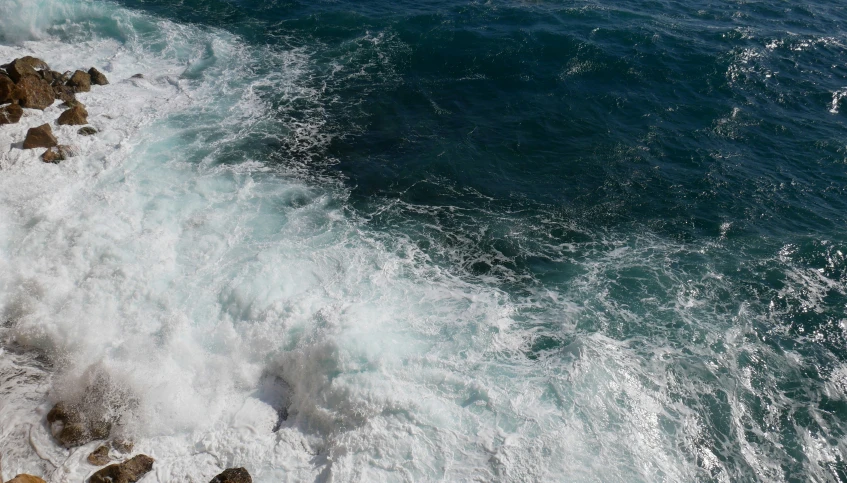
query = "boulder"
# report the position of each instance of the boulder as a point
(80, 81)
(90, 131)
(75, 116)
(64, 93)
(129, 471)
(7, 89)
(54, 155)
(120, 445)
(11, 114)
(99, 457)
(97, 77)
(67, 423)
(24, 478)
(52, 77)
(42, 137)
(34, 93)
(233, 475)
(25, 66)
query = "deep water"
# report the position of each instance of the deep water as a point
(470, 241)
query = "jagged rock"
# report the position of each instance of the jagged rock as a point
(97, 77)
(233, 475)
(34, 93)
(53, 78)
(11, 114)
(90, 131)
(64, 93)
(80, 81)
(54, 155)
(129, 471)
(25, 66)
(68, 424)
(7, 89)
(75, 116)
(121, 445)
(42, 137)
(24, 478)
(99, 457)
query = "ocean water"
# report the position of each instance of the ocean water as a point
(442, 240)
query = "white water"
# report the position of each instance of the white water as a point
(214, 289)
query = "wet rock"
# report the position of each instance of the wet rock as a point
(64, 93)
(11, 114)
(67, 423)
(137, 76)
(80, 81)
(90, 131)
(71, 103)
(97, 77)
(24, 478)
(42, 137)
(53, 78)
(7, 89)
(99, 457)
(121, 445)
(98, 430)
(129, 471)
(75, 116)
(34, 93)
(25, 66)
(233, 475)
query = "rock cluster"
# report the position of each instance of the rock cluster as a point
(28, 82)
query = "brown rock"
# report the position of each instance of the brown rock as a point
(52, 77)
(75, 116)
(67, 423)
(233, 475)
(94, 431)
(97, 77)
(64, 93)
(121, 445)
(99, 457)
(7, 89)
(34, 93)
(10, 114)
(24, 478)
(42, 137)
(129, 471)
(80, 81)
(90, 131)
(25, 66)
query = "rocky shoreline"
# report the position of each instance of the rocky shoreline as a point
(29, 83)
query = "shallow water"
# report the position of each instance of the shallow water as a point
(456, 241)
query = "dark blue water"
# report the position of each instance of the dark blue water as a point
(667, 177)
(675, 170)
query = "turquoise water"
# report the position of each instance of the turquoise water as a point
(464, 241)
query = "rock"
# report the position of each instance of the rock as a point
(25, 66)
(67, 423)
(53, 78)
(54, 155)
(90, 131)
(99, 457)
(80, 81)
(137, 76)
(34, 93)
(11, 114)
(121, 445)
(64, 93)
(97, 77)
(24, 478)
(42, 137)
(7, 89)
(75, 116)
(71, 103)
(233, 475)
(129, 471)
